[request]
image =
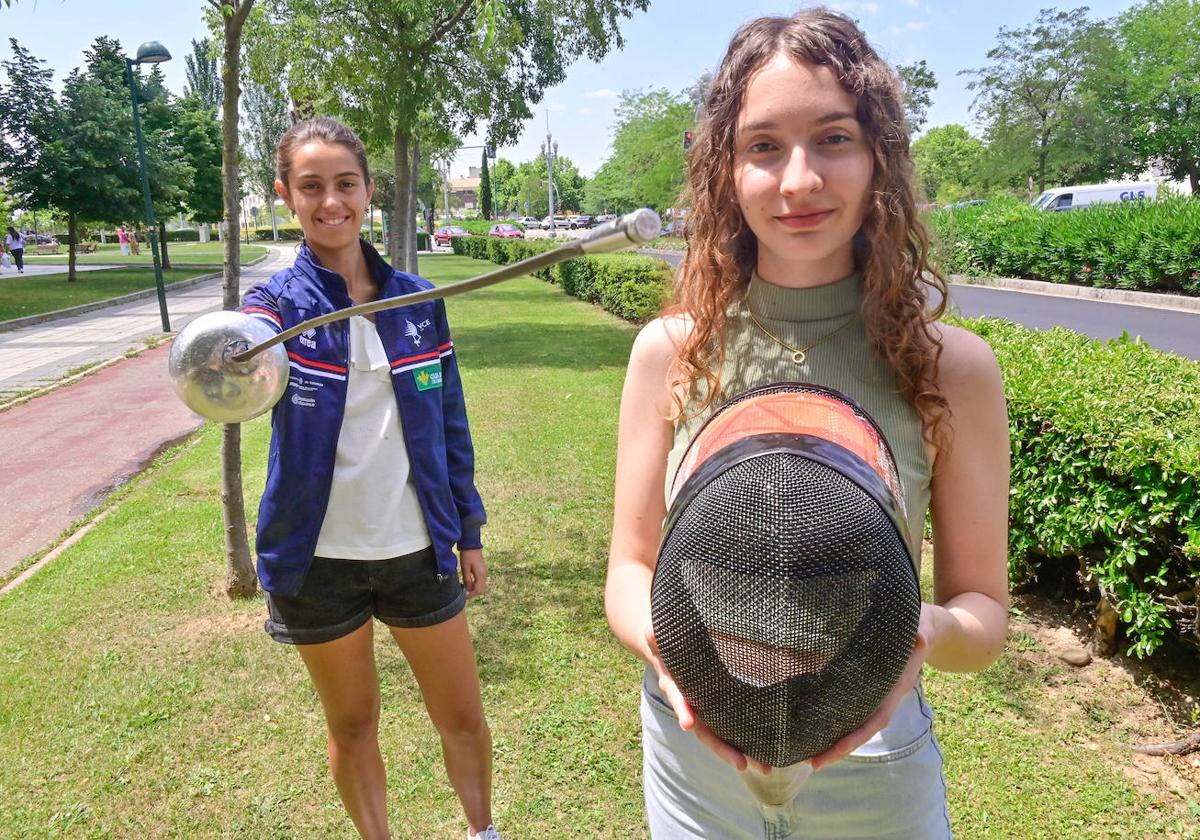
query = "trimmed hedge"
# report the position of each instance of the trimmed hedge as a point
(1153, 245)
(1105, 472)
(630, 286)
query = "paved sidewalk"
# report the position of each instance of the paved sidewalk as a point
(66, 450)
(37, 356)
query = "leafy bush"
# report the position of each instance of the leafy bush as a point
(287, 233)
(1138, 245)
(1106, 471)
(630, 286)
(185, 235)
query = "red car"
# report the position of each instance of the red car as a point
(443, 235)
(507, 232)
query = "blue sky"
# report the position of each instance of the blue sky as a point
(668, 46)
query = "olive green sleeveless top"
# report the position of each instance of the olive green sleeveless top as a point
(845, 361)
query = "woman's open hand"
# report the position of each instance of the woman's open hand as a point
(881, 716)
(688, 721)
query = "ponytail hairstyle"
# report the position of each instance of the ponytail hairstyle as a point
(321, 129)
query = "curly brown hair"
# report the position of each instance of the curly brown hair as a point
(891, 249)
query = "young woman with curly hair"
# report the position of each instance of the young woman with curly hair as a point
(807, 262)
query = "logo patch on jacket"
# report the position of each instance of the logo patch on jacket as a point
(413, 331)
(309, 338)
(428, 377)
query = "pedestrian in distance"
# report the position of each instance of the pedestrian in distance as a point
(370, 487)
(14, 244)
(123, 238)
(807, 262)
(133, 241)
(5, 262)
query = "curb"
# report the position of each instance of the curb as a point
(72, 379)
(84, 308)
(1178, 303)
(53, 554)
(1151, 300)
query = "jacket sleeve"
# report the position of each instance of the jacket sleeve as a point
(260, 302)
(460, 452)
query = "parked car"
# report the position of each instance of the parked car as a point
(506, 231)
(1077, 197)
(559, 222)
(530, 222)
(970, 203)
(581, 221)
(443, 235)
(32, 238)
(605, 218)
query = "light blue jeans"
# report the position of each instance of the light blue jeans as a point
(890, 788)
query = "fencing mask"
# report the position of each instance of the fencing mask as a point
(785, 601)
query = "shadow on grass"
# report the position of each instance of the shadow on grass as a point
(548, 609)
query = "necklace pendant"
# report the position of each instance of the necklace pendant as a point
(798, 357)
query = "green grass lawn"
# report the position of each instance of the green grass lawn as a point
(25, 295)
(188, 253)
(137, 701)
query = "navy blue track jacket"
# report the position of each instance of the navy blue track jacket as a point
(306, 422)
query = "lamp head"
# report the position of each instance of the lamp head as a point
(152, 52)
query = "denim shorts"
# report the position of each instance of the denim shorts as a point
(894, 788)
(339, 596)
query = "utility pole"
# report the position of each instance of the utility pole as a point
(550, 150)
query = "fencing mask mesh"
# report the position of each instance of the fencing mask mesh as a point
(785, 601)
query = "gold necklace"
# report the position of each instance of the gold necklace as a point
(799, 354)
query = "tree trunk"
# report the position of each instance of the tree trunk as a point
(410, 230)
(240, 578)
(1194, 177)
(162, 245)
(396, 232)
(274, 222)
(72, 227)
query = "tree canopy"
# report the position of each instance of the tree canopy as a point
(647, 166)
(1040, 114)
(1156, 85)
(203, 80)
(390, 66)
(919, 85)
(947, 159)
(73, 152)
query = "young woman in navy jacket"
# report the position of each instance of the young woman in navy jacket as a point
(370, 486)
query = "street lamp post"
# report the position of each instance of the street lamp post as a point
(151, 52)
(550, 150)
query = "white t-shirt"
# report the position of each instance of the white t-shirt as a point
(373, 511)
(10, 243)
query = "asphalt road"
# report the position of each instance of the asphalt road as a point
(1164, 329)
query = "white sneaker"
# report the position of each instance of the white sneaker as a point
(489, 833)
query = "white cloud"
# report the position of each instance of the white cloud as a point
(602, 93)
(585, 110)
(911, 26)
(556, 107)
(912, 3)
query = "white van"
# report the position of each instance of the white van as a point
(1074, 198)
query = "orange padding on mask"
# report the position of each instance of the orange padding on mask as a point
(819, 415)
